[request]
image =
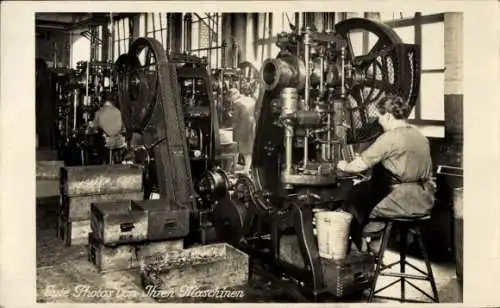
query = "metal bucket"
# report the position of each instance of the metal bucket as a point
(226, 136)
(333, 234)
(458, 236)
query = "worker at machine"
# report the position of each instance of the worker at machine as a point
(243, 120)
(400, 184)
(108, 119)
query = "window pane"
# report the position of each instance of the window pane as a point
(194, 37)
(80, 49)
(277, 22)
(372, 39)
(357, 42)
(433, 46)
(390, 16)
(126, 28)
(430, 11)
(101, 43)
(412, 114)
(432, 96)
(142, 25)
(157, 21)
(149, 23)
(407, 34)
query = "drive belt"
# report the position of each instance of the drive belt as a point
(167, 122)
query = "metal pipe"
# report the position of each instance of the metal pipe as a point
(342, 72)
(209, 51)
(55, 55)
(307, 50)
(289, 99)
(112, 38)
(217, 40)
(75, 107)
(206, 48)
(329, 114)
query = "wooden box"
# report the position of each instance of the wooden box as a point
(166, 219)
(119, 222)
(100, 179)
(78, 207)
(48, 170)
(73, 233)
(208, 266)
(349, 276)
(128, 256)
(343, 278)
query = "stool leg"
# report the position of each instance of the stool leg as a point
(403, 233)
(383, 246)
(427, 264)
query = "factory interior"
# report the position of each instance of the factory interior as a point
(188, 157)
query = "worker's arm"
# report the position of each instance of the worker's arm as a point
(357, 165)
(380, 150)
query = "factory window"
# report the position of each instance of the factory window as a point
(206, 39)
(154, 25)
(121, 36)
(269, 25)
(428, 32)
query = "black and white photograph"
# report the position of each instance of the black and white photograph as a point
(258, 152)
(283, 156)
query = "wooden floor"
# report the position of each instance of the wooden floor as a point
(65, 275)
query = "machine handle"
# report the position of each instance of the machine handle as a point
(459, 171)
(360, 278)
(170, 224)
(127, 226)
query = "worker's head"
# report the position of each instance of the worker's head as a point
(233, 95)
(108, 98)
(391, 108)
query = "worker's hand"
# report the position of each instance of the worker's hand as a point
(342, 165)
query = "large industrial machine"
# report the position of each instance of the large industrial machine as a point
(316, 107)
(79, 94)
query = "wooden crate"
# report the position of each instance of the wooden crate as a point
(203, 267)
(49, 170)
(166, 219)
(128, 256)
(344, 277)
(78, 207)
(73, 233)
(119, 222)
(100, 179)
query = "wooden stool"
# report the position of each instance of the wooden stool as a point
(404, 225)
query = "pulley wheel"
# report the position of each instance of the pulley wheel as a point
(138, 82)
(249, 79)
(388, 67)
(229, 218)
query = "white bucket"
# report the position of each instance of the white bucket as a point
(226, 136)
(333, 234)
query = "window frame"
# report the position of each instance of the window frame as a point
(163, 30)
(214, 22)
(417, 22)
(119, 38)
